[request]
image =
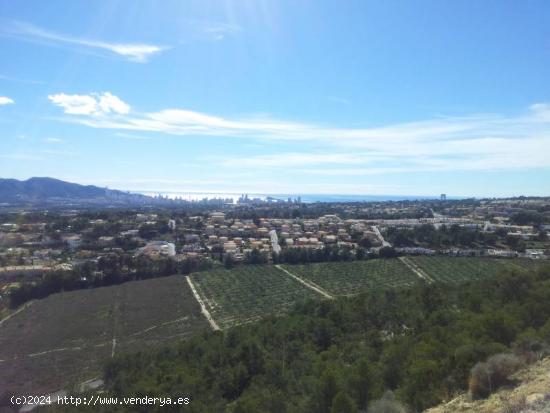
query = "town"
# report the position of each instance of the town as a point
(87, 248)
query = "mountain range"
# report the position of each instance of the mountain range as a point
(50, 190)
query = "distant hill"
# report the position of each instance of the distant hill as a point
(50, 190)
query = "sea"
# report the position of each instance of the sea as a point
(307, 198)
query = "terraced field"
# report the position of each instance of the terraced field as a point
(248, 293)
(67, 336)
(460, 269)
(349, 278)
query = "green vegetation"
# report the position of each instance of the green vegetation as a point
(326, 254)
(67, 336)
(459, 269)
(528, 218)
(347, 278)
(394, 333)
(444, 237)
(112, 269)
(248, 293)
(329, 355)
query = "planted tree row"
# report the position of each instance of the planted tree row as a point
(349, 278)
(460, 269)
(248, 293)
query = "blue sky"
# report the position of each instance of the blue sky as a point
(354, 97)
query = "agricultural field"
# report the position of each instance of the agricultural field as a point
(349, 278)
(66, 337)
(248, 293)
(529, 264)
(459, 269)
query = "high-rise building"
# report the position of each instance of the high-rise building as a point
(443, 197)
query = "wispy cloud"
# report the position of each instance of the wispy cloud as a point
(58, 152)
(133, 137)
(21, 80)
(4, 100)
(53, 140)
(211, 30)
(477, 142)
(22, 157)
(338, 99)
(136, 52)
(294, 159)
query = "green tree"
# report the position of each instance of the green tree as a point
(387, 252)
(228, 261)
(342, 403)
(361, 383)
(327, 390)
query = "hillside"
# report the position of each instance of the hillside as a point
(50, 190)
(530, 394)
(342, 355)
(361, 329)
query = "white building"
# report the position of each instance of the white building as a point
(159, 248)
(172, 224)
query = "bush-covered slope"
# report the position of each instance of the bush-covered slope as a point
(332, 355)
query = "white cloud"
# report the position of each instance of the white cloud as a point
(75, 104)
(478, 142)
(53, 140)
(93, 104)
(4, 100)
(110, 103)
(136, 52)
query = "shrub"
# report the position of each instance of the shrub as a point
(530, 348)
(342, 403)
(487, 377)
(479, 383)
(387, 404)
